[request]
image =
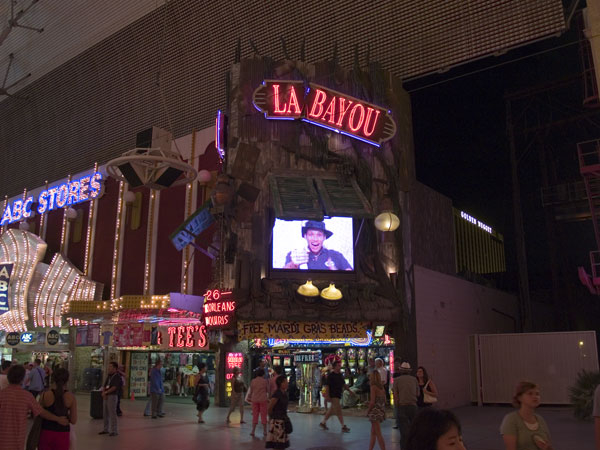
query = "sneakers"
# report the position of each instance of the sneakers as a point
(103, 432)
(113, 434)
(324, 426)
(345, 429)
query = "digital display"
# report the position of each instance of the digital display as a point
(276, 361)
(287, 361)
(313, 245)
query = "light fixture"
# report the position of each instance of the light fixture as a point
(308, 289)
(387, 221)
(24, 226)
(204, 176)
(331, 293)
(71, 214)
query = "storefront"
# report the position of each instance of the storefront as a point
(51, 346)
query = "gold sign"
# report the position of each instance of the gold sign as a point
(250, 329)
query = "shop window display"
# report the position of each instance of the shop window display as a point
(180, 370)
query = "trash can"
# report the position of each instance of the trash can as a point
(96, 404)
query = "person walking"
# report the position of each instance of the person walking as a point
(237, 395)
(110, 395)
(36, 379)
(376, 410)
(277, 437)
(406, 391)
(3, 372)
(524, 429)
(157, 390)
(427, 389)
(385, 376)
(123, 384)
(259, 396)
(202, 392)
(277, 370)
(15, 403)
(435, 429)
(59, 402)
(333, 393)
(596, 415)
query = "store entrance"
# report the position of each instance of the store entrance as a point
(180, 370)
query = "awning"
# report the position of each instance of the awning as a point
(303, 197)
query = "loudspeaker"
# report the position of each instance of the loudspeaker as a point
(167, 177)
(132, 174)
(144, 139)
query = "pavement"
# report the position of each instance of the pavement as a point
(179, 430)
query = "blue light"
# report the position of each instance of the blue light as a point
(26, 338)
(354, 342)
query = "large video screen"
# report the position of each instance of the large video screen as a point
(313, 245)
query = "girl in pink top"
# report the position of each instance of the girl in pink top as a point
(259, 389)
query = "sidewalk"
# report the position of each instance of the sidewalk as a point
(180, 431)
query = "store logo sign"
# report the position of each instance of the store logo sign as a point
(79, 190)
(27, 338)
(52, 337)
(13, 338)
(5, 273)
(333, 110)
(187, 336)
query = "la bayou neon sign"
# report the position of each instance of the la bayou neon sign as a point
(290, 100)
(85, 188)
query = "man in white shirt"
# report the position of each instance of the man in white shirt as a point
(3, 371)
(383, 374)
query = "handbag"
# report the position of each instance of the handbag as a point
(33, 438)
(427, 396)
(287, 425)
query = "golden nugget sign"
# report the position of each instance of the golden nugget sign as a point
(248, 329)
(290, 100)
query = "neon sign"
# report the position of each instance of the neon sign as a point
(187, 336)
(85, 188)
(27, 338)
(233, 360)
(5, 273)
(333, 110)
(218, 309)
(474, 221)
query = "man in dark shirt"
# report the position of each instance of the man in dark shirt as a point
(110, 395)
(315, 256)
(333, 393)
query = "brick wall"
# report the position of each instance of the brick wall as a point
(448, 311)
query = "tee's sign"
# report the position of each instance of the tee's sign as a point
(290, 100)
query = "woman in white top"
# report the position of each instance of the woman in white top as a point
(524, 429)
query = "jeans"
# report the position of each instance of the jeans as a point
(405, 414)
(110, 413)
(157, 404)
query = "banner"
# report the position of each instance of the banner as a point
(5, 272)
(250, 329)
(138, 378)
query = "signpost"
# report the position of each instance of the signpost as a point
(188, 231)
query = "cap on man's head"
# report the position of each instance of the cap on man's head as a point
(405, 366)
(316, 225)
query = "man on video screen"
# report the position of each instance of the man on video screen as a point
(314, 256)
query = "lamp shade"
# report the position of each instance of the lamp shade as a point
(204, 176)
(331, 293)
(387, 221)
(308, 289)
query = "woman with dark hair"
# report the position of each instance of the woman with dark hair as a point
(524, 429)
(435, 429)
(259, 397)
(201, 392)
(59, 402)
(277, 436)
(376, 411)
(426, 386)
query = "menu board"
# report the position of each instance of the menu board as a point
(138, 377)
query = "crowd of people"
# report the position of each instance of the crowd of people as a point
(30, 390)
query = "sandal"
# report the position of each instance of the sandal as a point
(324, 426)
(345, 429)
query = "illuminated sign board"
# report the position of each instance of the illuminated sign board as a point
(186, 336)
(192, 227)
(333, 110)
(27, 338)
(292, 330)
(79, 190)
(474, 221)
(219, 309)
(5, 272)
(233, 360)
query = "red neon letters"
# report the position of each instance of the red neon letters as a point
(184, 336)
(218, 309)
(285, 99)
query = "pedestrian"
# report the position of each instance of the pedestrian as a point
(277, 370)
(523, 429)
(427, 389)
(596, 415)
(385, 376)
(435, 429)
(376, 410)
(36, 379)
(371, 365)
(15, 403)
(60, 402)
(3, 372)
(316, 386)
(110, 395)
(123, 383)
(157, 390)
(277, 436)
(333, 393)
(259, 397)
(237, 395)
(406, 391)
(262, 364)
(201, 392)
